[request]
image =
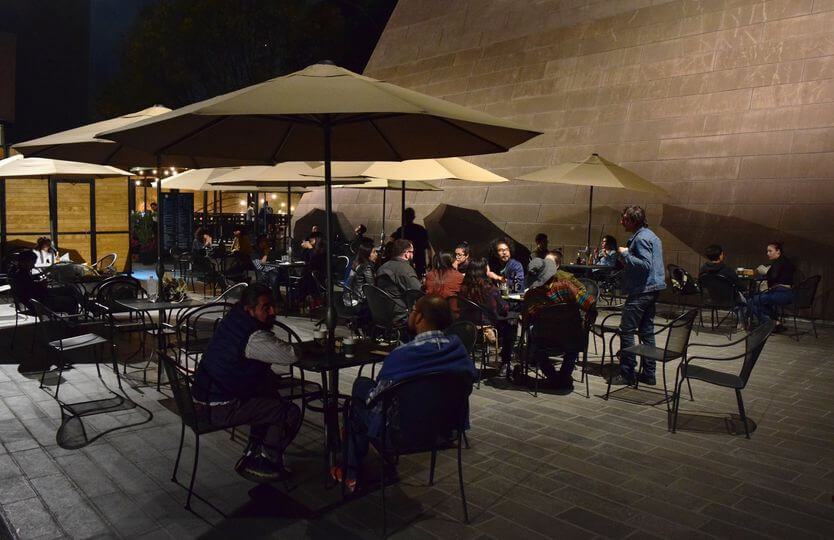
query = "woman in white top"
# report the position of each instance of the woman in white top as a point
(45, 252)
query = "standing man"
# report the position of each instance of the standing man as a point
(643, 280)
(419, 238)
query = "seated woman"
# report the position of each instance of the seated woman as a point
(606, 254)
(201, 244)
(443, 279)
(45, 252)
(361, 273)
(315, 258)
(479, 289)
(779, 287)
(241, 254)
(267, 274)
(26, 288)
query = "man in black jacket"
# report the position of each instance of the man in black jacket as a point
(715, 265)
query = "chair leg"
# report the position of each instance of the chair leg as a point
(179, 453)
(741, 412)
(431, 470)
(677, 404)
(14, 332)
(466, 441)
(193, 473)
(382, 489)
(460, 481)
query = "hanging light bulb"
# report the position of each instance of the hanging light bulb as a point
(243, 203)
(274, 196)
(138, 182)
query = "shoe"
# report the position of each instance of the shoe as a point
(620, 380)
(259, 469)
(562, 385)
(337, 475)
(504, 370)
(647, 379)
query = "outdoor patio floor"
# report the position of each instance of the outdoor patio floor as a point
(538, 467)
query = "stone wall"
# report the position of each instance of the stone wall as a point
(727, 104)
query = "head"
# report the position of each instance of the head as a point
(198, 234)
(714, 253)
(430, 313)
(633, 218)
(403, 249)
(360, 230)
(314, 229)
(409, 215)
(43, 244)
(774, 250)
(365, 253)
(266, 203)
(153, 207)
(262, 243)
(442, 261)
(26, 259)
(314, 239)
(541, 240)
(555, 256)
(238, 230)
(502, 249)
(462, 252)
(608, 243)
(257, 301)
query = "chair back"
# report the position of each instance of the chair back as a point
(467, 310)
(677, 340)
(107, 294)
(804, 293)
(292, 337)
(233, 294)
(411, 297)
(591, 286)
(180, 381)
(557, 327)
(424, 411)
(106, 264)
(754, 342)
(201, 265)
(466, 331)
(380, 304)
(717, 291)
(196, 327)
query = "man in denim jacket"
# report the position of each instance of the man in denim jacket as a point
(643, 280)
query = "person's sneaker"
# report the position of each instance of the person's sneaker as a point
(647, 379)
(504, 370)
(562, 385)
(259, 468)
(620, 380)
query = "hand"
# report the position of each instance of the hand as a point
(455, 264)
(622, 250)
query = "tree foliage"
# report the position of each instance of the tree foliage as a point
(182, 51)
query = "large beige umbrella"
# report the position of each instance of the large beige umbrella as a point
(595, 171)
(18, 166)
(321, 113)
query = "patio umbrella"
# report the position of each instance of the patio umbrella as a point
(18, 166)
(321, 113)
(595, 171)
(416, 170)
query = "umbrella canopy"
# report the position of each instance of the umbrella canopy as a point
(203, 179)
(22, 167)
(325, 113)
(81, 143)
(594, 171)
(449, 225)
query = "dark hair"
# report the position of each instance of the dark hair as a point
(464, 246)
(776, 245)
(250, 295)
(409, 214)
(361, 229)
(610, 241)
(435, 310)
(401, 245)
(636, 215)
(493, 247)
(363, 252)
(713, 252)
(314, 234)
(541, 238)
(42, 242)
(239, 227)
(27, 255)
(476, 285)
(557, 256)
(442, 261)
(198, 234)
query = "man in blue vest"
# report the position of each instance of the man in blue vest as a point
(235, 384)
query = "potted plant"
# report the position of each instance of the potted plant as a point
(143, 240)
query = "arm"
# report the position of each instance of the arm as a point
(639, 256)
(265, 347)
(411, 282)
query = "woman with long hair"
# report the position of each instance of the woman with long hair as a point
(361, 273)
(443, 279)
(478, 288)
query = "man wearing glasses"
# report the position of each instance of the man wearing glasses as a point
(397, 276)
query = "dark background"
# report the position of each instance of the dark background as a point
(81, 61)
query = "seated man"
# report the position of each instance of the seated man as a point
(561, 288)
(61, 299)
(234, 384)
(715, 267)
(397, 276)
(430, 351)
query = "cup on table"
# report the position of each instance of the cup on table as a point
(349, 346)
(320, 336)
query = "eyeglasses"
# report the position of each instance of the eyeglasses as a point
(460, 255)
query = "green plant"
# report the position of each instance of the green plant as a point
(143, 228)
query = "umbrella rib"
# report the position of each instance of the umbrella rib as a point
(114, 152)
(471, 133)
(283, 143)
(192, 134)
(385, 140)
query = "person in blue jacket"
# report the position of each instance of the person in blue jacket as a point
(430, 351)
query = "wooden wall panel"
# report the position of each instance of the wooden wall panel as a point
(114, 243)
(73, 208)
(76, 242)
(27, 205)
(111, 204)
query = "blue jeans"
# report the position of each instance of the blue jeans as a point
(361, 416)
(637, 318)
(762, 305)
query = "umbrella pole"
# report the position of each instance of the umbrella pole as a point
(590, 216)
(288, 228)
(402, 209)
(382, 235)
(160, 269)
(328, 235)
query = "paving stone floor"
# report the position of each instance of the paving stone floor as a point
(547, 466)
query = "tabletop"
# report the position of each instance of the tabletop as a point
(586, 267)
(146, 304)
(315, 358)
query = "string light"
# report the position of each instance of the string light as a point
(138, 182)
(274, 196)
(243, 203)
